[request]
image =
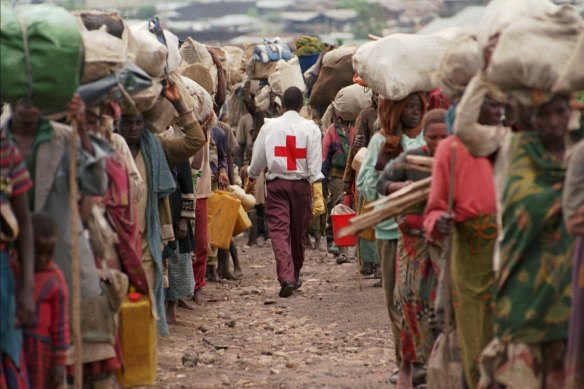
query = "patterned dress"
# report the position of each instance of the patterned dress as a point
(534, 288)
(14, 181)
(47, 342)
(418, 267)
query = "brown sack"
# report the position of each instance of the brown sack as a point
(331, 80)
(262, 71)
(107, 43)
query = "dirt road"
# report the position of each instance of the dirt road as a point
(327, 335)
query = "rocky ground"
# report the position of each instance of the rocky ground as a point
(330, 334)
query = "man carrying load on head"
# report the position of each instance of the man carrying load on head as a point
(290, 147)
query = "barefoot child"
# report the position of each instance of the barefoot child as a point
(46, 342)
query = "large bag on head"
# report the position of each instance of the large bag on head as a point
(236, 64)
(526, 57)
(351, 100)
(153, 56)
(47, 68)
(331, 57)
(331, 79)
(572, 75)
(287, 75)
(501, 14)
(461, 62)
(163, 113)
(400, 64)
(193, 52)
(107, 44)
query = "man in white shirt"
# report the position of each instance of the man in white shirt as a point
(290, 147)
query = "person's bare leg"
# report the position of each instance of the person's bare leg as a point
(212, 275)
(404, 380)
(171, 311)
(223, 267)
(185, 305)
(198, 297)
(253, 231)
(235, 258)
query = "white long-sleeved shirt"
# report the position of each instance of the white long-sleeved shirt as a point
(290, 147)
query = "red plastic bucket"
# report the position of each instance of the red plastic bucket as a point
(339, 222)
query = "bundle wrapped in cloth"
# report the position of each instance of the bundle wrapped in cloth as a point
(527, 58)
(400, 64)
(46, 66)
(272, 50)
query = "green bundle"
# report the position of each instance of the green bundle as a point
(40, 55)
(307, 45)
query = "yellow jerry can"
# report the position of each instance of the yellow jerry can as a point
(138, 339)
(242, 223)
(222, 210)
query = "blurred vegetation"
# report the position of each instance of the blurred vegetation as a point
(370, 17)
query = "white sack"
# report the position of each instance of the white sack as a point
(351, 100)
(400, 64)
(288, 75)
(501, 14)
(530, 53)
(151, 55)
(462, 59)
(572, 76)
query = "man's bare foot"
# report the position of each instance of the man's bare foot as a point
(185, 305)
(198, 298)
(171, 312)
(237, 273)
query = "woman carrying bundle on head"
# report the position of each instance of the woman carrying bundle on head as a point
(418, 259)
(400, 130)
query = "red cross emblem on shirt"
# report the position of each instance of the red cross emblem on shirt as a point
(290, 152)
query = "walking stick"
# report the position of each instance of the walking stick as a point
(75, 271)
(446, 252)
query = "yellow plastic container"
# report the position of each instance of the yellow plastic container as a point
(138, 339)
(242, 223)
(222, 210)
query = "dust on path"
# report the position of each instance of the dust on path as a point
(327, 335)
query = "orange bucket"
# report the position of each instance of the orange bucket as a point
(340, 222)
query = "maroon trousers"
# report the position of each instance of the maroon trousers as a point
(288, 210)
(201, 243)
